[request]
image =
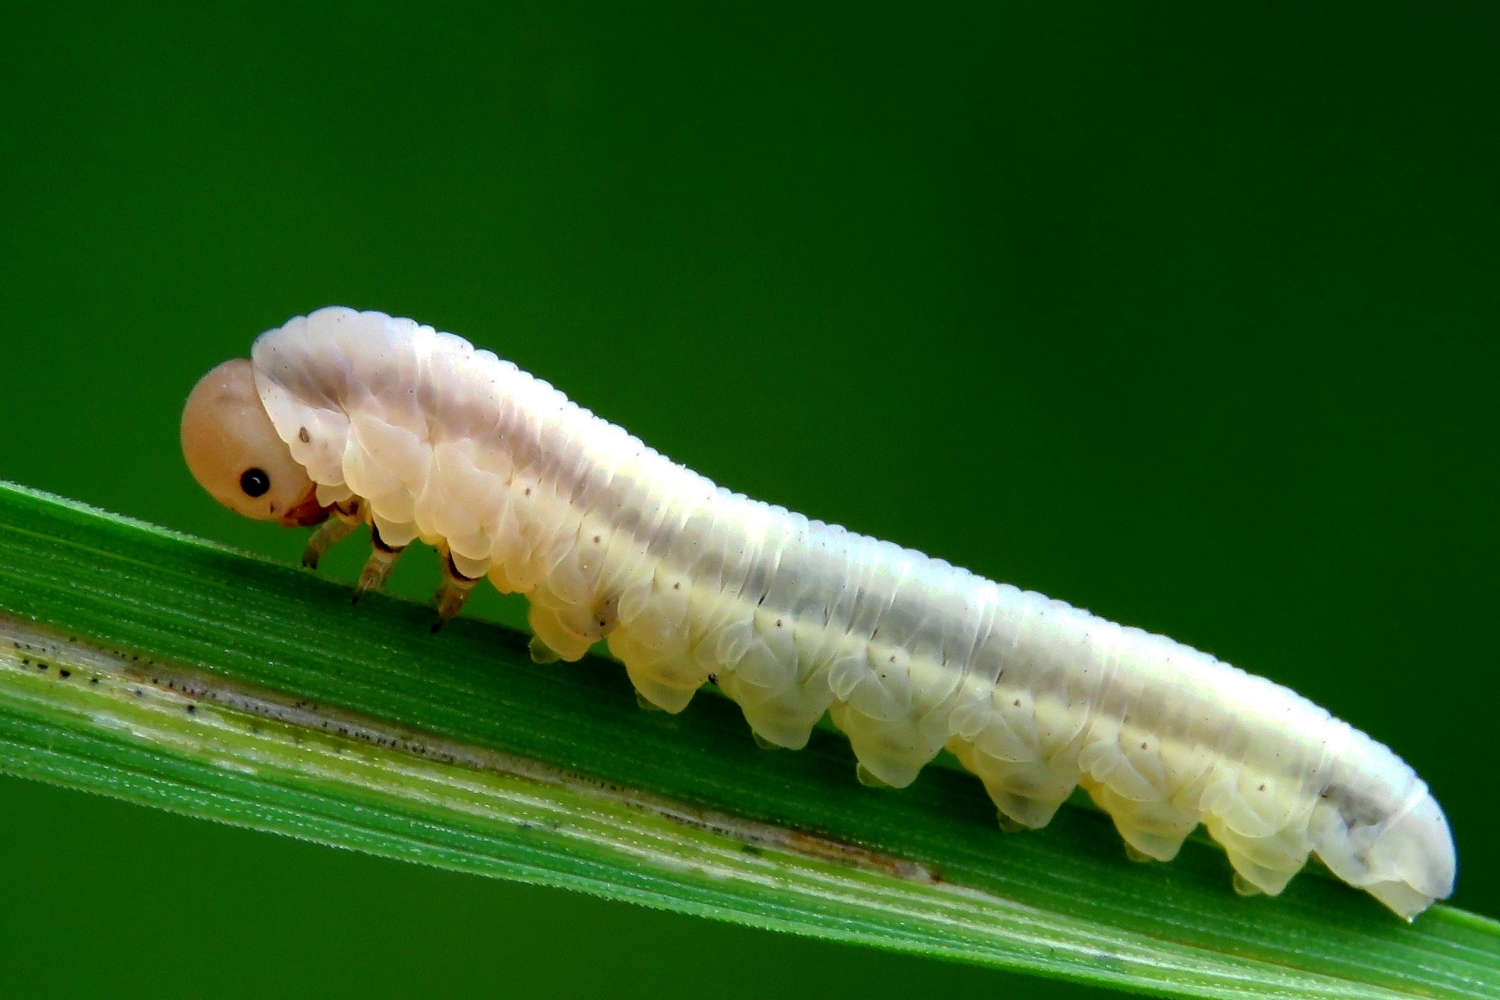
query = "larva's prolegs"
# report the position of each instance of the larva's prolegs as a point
(1026, 793)
(541, 652)
(1243, 887)
(364, 417)
(1008, 825)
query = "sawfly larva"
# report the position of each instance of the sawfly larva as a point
(343, 418)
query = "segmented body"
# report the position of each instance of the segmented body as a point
(793, 617)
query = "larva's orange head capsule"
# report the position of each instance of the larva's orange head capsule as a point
(235, 453)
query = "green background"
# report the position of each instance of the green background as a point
(1186, 317)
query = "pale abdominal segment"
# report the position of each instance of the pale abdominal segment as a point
(425, 438)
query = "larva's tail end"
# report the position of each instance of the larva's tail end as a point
(1401, 899)
(1414, 860)
(232, 449)
(1407, 862)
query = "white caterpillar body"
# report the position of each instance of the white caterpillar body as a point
(791, 617)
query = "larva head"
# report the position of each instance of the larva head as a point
(234, 452)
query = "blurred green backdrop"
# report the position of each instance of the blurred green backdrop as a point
(1184, 316)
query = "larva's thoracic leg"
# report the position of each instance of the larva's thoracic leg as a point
(451, 593)
(327, 535)
(382, 558)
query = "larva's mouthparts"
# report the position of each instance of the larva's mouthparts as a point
(307, 513)
(232, 449)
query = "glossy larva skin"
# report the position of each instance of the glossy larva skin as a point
(793, 617)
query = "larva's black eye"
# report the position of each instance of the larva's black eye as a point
(255, 482)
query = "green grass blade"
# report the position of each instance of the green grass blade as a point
(161, 669)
